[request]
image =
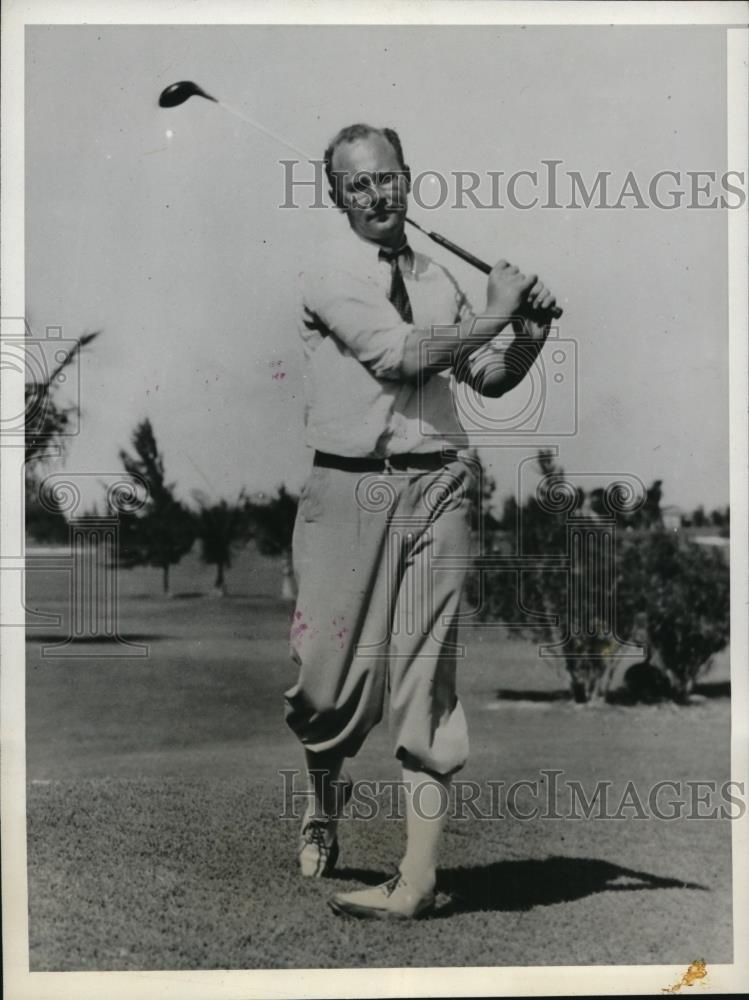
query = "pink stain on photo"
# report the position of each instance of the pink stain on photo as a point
(341, 630)
(299, 627)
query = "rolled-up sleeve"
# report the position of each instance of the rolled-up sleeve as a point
(463, 307)
(354, 311)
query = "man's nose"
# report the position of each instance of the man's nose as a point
(389, 192)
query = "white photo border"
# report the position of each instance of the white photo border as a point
(230, 985)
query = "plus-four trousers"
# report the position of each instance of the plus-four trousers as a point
(376, 612)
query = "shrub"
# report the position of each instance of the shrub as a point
(684, 590)
(668, 593)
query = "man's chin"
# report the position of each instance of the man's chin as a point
(386, 226)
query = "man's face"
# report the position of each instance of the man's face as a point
(374, 189)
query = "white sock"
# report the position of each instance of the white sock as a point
(427, 799)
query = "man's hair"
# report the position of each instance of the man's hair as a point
(350, 134)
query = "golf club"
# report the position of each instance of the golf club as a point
(177, 93)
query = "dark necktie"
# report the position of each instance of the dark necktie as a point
(398, 294)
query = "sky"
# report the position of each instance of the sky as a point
(175, 247)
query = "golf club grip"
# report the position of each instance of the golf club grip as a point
(469, 258)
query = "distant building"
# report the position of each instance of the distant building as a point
(671, 517)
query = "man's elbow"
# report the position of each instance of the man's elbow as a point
(490, 390)
(489, 384)
(410, 373)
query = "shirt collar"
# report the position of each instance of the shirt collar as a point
(369, 249)
(404, 250)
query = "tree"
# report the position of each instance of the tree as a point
(47, 420)
(539, 603)
(44, 523)
(163, 530)
(46, 423)
(651, 509)
(480, 493)
(534, 600)
(699, 518)
(221, 528)
(668, 593)
(596, 501)
(717, 518)
(682, 590)
(272, 520)
(725, 530)
(509, 518)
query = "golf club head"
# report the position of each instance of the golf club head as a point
(177, 93)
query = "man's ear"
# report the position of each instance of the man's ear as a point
(407, 175)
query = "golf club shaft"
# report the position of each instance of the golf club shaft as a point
(469, 258)
(177, 93)
(261, 128)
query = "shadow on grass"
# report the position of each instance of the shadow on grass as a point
(522, 885)
(700, 692)
(713, 689)
(91, 640)
(512, 694)
(219, 600)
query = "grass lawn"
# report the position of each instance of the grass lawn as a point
(154, 837)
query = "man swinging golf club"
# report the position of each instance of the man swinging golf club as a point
(388, 492)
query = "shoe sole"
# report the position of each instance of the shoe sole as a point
(376, 913)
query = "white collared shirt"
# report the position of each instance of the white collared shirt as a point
(358, 403)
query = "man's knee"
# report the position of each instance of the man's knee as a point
(318, 717)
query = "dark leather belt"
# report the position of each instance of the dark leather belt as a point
(430, 460)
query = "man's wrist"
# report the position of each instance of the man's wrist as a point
(482, 328)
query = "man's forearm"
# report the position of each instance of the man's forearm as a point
(499, 371)
(424, 352)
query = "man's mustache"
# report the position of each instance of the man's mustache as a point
(383, 205)
(376, 201)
